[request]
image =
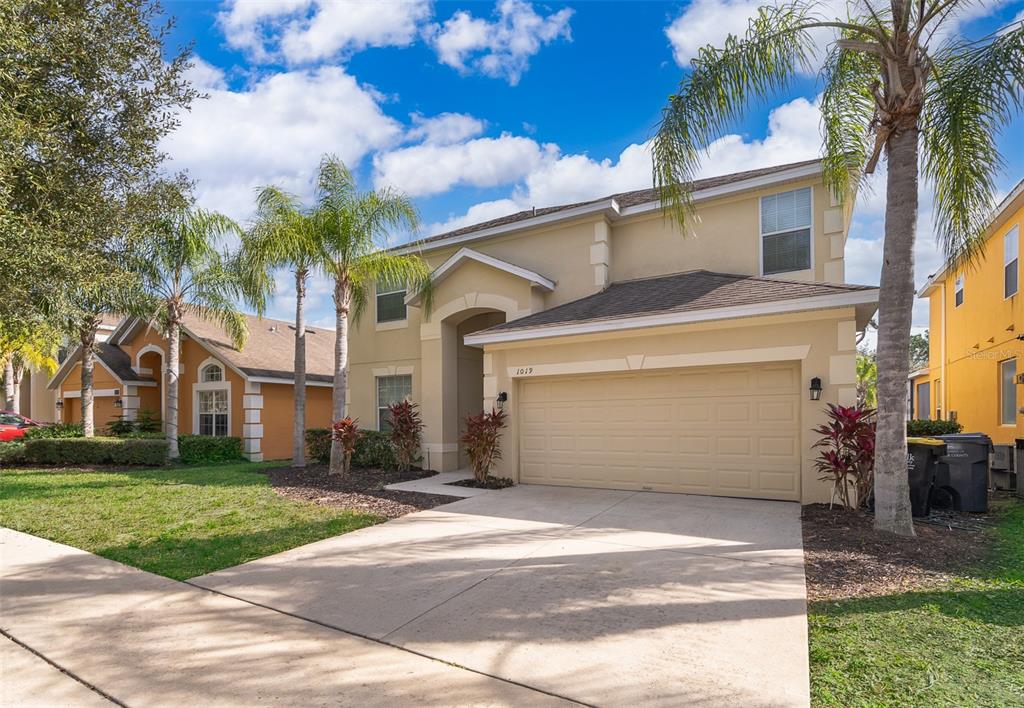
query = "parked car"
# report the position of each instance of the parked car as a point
(14, 425)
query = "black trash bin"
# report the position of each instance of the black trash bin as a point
(922, 461)
(962, 473)
(1017, 479)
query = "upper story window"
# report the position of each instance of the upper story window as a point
(211, 372)
(786, 231)
(1011, 246)
(958, 291)
(391, 389)
(390, 302)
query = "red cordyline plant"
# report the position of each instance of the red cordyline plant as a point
(847, 453)
(346, 432)
(482, 441)
(406, 432)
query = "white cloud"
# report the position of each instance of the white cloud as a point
(311, 30)
(500, 48)
(274, 132)
(484, 162)
(445, 128)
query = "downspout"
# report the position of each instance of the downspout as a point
(942, 351)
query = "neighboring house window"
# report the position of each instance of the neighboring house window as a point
(390, 302)
(1008, 392)
(924, 401)
(213, 412)
(390, 389)
(958, 291)
(212, 372)
(786, 231)
(1011, 247)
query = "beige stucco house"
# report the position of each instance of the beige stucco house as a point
(627, 353)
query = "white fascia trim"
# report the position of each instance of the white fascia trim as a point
(611, 209)
(76, 358)
(726, 189)
(467, 254)
(919, 372)
(608, 207)
(821, 302)
(287, 382)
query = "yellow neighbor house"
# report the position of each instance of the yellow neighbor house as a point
(976, 325)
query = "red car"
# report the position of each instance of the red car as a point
(13, 426)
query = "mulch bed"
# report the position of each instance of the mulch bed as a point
(490, 483)
(845, 557)
(361, 490)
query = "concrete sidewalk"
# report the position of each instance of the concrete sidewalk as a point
(147, 640)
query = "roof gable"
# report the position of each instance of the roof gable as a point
(465, 255)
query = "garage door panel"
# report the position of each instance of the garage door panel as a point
(728, 430)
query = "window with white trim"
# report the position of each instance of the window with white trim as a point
(1008, 392)
(390, 302)
(213, 412)
(958, 291)
(391, 389)
(786, 231)
(211, 372)
(1011, 248)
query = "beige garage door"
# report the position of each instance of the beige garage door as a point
(725, 430)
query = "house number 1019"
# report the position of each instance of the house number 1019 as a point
(524, 371)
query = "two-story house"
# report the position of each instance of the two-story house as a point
(976, 321)
(627, 353)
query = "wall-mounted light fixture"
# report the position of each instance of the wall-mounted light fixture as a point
(118, 403)
(815, 389)
(60, 403)
(502, 399)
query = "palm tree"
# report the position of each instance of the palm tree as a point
(34, 348)
(890, 89)
(184, 273)
(284, 235)
(354, 227)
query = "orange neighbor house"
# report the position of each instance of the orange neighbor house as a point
(976, 357)
(243, 393)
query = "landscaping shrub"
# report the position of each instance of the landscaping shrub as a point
(346, 432)
(929, 428)
(206, 449)
(482, 441)
(57, 430)
(120, 427)
(373, 449)
(12, 453)
(95, 451)
(147, 422)
(406, 433)
(146, 425)
(847, 456)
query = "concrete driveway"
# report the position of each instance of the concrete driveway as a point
(602, 597)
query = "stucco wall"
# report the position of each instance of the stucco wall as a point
(278, 415)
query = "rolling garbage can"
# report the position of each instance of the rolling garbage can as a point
(922, 461)
(962, 473)
(1017, 480)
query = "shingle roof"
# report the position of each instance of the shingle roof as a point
(118, 361)
(680, 292)
(624, 199)
(270, 349)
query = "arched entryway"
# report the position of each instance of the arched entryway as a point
(150, 363)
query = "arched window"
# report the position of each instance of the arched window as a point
(211, 372)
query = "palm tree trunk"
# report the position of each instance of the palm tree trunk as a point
(17, 374)
(299, 430)
(9, 383)
(342, 303)
(895, 311)
(87, 339)
(171, 415)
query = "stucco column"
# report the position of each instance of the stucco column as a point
(252, 427)
(439, 383)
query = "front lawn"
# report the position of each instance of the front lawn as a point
(178, 522)
(958, 640)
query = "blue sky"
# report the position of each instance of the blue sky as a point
(477, 109)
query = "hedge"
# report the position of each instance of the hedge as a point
(95, 451)
(927, 428)
(12, 453)
(204, 449)
(373, 449)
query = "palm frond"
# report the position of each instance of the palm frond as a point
(976, 89)
(723, 82)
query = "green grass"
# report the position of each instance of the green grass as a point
(962, 644)
(178, 522)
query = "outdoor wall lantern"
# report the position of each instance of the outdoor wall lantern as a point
(501, 399)
(60, 403)
(118, 403)
(815, 389)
